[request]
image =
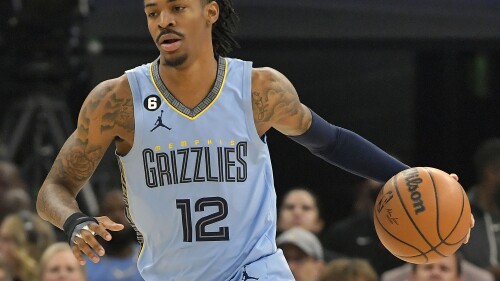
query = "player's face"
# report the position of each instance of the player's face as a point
(180, 28)
(444, 270)
(63, 266)
(299, 209)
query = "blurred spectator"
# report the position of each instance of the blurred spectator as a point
(15, 200)
(120, 261)
(301, 208)
(23, 238)
(450, 268)
(348, 270)
(5, 274)
(10, 180)
(483, 248)
(10, 176)
(355, 235)
(303, 253)
(59, 264)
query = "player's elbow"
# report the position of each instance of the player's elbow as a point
(40, 204)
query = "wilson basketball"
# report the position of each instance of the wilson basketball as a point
(422, 215)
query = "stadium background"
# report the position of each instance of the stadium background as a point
(419, 79)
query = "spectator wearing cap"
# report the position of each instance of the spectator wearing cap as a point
(301, 207)
(303, 252)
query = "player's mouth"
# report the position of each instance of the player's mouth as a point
(170, 41)
(170, 45)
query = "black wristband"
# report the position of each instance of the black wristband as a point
(74, 220)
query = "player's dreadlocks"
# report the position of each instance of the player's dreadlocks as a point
(223, 30)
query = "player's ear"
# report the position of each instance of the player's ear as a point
(211, 12)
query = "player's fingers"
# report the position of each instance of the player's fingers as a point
(466, 239)
(78, 255)
(472, 222)
(109, 224)
(100, 230)
(85, 247)
(88, 234)
(454, 176)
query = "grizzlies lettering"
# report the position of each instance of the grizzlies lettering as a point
(412, 180)
(196, 164)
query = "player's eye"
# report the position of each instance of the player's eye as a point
(179, 8)
(152, 14)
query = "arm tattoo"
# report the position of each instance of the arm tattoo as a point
(81, 153)
(260, 102)
(274, 101)
(119, 111)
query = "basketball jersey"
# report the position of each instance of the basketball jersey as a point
(198, 182)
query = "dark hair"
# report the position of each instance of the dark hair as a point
(488, 154)
(344, 269)
(224, 28)
(458, 260)
(314, 196)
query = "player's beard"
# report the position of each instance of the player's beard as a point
(176, 61)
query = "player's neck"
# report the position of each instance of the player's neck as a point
(192, 81)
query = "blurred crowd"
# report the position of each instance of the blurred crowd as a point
(315, 249)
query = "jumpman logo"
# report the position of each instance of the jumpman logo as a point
(159, 123)
(245, 275)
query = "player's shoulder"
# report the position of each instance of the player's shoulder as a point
(267, 77)
(112, 88)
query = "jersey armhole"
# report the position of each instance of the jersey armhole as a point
(247, 101)
(138, 115)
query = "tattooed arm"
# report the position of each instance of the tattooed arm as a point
(106, 116)
(276, 104)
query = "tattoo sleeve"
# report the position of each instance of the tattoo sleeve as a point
(276, 104)
(103, 116)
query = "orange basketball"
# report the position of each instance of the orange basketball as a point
(422, 215)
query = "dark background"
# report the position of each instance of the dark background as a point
(419, 79)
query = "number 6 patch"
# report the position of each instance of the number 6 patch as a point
(152, 102)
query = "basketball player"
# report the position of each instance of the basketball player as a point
(201, 194)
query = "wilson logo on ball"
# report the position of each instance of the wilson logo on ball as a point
(413, 180)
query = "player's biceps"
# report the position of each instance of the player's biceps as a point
(296, 122)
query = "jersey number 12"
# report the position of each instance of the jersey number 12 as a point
(201, 233)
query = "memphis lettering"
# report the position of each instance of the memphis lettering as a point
(196, 164)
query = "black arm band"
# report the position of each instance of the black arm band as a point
(348, 150)
(74, 220)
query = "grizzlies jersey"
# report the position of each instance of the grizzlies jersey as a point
(198, 182)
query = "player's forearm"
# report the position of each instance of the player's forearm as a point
(349, 151)
(55, 203)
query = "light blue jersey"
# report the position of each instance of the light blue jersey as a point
(198, 182)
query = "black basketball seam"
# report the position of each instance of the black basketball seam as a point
(443, 241)
(392, 235)
(412, 221)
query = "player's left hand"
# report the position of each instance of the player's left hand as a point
(472, 221)
(86, 244)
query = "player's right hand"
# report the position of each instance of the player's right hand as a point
(86, 243)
